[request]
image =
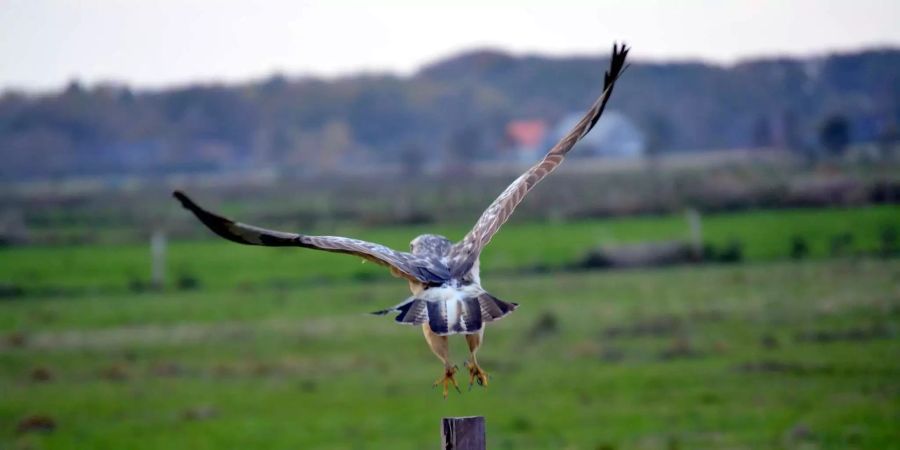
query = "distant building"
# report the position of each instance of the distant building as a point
(526, 138)
(614, 135)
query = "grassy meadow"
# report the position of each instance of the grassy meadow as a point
(272, 348)
(764, 236)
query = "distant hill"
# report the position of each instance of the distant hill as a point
(451, 110)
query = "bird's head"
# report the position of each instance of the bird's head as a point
(429, 244)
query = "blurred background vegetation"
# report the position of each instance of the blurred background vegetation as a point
(483, 105)
(716, 267)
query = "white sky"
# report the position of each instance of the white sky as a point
(154, 43)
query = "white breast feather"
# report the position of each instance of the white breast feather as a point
(452, 296)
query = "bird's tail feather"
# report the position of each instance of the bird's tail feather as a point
(474, 313)
(492, 308)
(413, 311)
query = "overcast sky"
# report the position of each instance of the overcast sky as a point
(154, 43)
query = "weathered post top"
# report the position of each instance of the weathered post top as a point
(463, 433)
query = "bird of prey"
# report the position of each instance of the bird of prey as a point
(447, 296)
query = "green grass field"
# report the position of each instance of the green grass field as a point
(765, 236)
(778, 355)
(274, 349)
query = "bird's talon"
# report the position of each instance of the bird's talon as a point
(447, 380)
(477, 375)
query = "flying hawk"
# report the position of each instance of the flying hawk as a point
(447, 297)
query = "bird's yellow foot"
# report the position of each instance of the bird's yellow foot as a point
(476, 374)
(447, 380)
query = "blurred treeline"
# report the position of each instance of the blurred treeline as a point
(451, 111)
(77, 213)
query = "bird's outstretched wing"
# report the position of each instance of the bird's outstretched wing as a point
(403, 264)
(466, 251)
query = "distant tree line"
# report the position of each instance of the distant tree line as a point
(450, 112)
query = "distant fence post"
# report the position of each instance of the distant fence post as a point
(696, 225)
(158, 254)
(463, 433)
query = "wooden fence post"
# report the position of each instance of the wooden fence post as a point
(463, 433)
(695, 222)
(158, 255)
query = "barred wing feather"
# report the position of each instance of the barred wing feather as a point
(466, 252)
(406, 265)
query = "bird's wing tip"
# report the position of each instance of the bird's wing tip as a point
(184, 199)
(617, 63)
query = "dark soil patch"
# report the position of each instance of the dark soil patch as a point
(783, 367)
(37, 423)
(851, 335)
(659, 326)
(40, 375)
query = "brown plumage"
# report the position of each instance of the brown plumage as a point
(411, 267)
(443, 277)
(467, 251)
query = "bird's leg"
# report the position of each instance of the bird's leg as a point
(440, 346)
(475, 372)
